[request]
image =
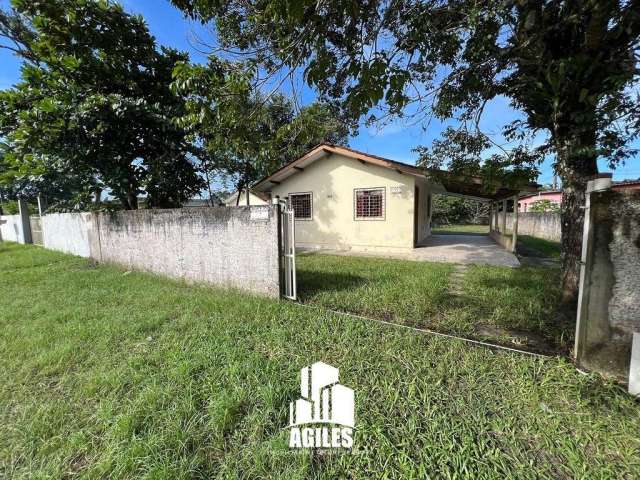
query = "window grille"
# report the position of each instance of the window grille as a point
(369, 203)
(302, 205)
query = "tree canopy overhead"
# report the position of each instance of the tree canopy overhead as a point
(568, 66)
(94, 102)
(245, 134)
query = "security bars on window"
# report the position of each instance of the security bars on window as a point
(370, 203)
(301, 204)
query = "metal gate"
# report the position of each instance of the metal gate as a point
(288, 251)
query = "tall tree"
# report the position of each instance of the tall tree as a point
(94, 100)
(568, 66)
(245, 134)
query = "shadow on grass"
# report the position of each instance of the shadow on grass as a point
(312, 282)
(510, 306)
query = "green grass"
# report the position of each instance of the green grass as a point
(113, 375)
(398, 290)
(461, 229)
(506, 305)
(546, 248)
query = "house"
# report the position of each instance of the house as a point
(525, 202)
(255, 198)
(555, 196)
(213, 201)
(344, 199)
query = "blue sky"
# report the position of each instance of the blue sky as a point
(395, 140)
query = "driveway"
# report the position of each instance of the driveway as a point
(464, 249)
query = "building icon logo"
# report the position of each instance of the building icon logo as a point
(324, 416)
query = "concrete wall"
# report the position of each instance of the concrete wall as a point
(541, 225)
(11, 230)
(332, 181)
(226, 246)
(609, 305)
(68, 232)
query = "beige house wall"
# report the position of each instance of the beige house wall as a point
(232, 200)
(332, 181)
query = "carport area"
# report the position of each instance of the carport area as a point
(463, 249)
(498, 246)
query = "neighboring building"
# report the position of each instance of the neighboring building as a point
(255, 198)
(214, 201)
(344, 199)
(525, 202)
(626, 185)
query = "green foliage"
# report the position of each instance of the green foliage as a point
(543, 206)
(566, 66)
(461, 152)
(10, 207)
(245, 134)
(94, 103)
(450, 210)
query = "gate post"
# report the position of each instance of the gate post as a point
(24, 220)
(276, 201)
(514, 225)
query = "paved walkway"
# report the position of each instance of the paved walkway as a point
(463, 249)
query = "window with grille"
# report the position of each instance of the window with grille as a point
(302, 205)
(369, 203)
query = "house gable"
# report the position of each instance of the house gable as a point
(332, 183)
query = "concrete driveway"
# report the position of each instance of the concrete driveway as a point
(464, 249)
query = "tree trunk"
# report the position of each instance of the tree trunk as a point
(132, 200)
(576, 164)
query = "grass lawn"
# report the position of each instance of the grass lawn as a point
(506, 305)
(461, 229)
(545, 248)
(108, 374)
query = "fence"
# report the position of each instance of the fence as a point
(609, 302)
(541, 225)
(11, 228)
(69, 232)
(232, 247)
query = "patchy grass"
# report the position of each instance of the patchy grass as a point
(106, 375)
(513, 305)
(398, 290)
(461, 229)
(545, 248)
(506, 305)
